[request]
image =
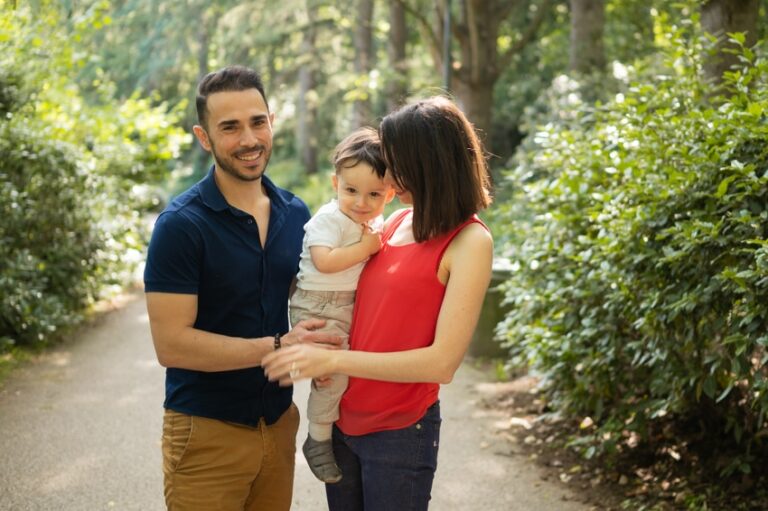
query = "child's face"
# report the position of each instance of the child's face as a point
(362, 195)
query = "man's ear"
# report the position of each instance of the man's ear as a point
(202, 137)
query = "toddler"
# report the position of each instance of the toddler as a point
(338, 240)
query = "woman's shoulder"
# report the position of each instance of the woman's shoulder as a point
(472, 240)
(475, 233)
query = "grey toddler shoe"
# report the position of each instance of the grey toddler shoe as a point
(321, 461)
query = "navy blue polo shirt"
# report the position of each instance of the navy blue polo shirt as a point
(201, 245)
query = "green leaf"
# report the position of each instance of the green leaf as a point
(709, 386)
(755, 109)
(722, 188)
(724, 393)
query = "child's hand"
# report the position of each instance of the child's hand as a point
(371, 240)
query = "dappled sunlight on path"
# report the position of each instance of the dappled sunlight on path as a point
(81, 430)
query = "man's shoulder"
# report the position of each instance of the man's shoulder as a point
(287, 198)
(186, 199)
(185, 209)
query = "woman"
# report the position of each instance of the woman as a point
(417, 305)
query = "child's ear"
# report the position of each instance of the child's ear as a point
(335, 181)
(390, 195)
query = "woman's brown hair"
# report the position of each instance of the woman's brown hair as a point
(433, 152)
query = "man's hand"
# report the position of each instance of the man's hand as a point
(304, 332)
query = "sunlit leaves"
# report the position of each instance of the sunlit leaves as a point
(647, 218)
(73, 178)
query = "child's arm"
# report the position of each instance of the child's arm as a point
(467, 261)
(332, 260)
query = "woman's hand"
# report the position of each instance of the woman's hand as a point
(294, 363)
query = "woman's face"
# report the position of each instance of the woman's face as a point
(404, 196)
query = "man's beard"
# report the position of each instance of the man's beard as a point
(226, 164)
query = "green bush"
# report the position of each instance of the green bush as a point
(49, 236)
(641, 259)
(76, 178)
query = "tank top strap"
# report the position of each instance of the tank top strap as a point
(446, 239)
(394, 225)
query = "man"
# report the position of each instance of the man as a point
(219, 268)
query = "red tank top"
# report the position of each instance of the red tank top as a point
(396, 308)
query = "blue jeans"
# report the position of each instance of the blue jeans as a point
(387, 470)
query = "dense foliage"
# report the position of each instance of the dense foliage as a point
(73, 179)
(640, 252)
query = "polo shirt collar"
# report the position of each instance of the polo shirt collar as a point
(214, 199)
(210, 193)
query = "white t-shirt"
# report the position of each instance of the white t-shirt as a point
(329, 227)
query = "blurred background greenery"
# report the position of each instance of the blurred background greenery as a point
(627, 140)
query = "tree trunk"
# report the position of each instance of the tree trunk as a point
(476, 101)
(719, 17)
(587, 54)
(481, 60)
(477, 70)
(202, 158)
(363, 62)
(397, 86)
(306, 107)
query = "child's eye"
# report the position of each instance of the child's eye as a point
(375, 195)
(351, 190)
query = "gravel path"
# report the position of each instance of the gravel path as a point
(80, 430)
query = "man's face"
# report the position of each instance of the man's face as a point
(238, 133)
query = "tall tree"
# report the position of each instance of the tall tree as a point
(587, 53)
(306, 106)
(397, 83)
(202, 158)
(481, 58)
(720, 17)
(362, 111)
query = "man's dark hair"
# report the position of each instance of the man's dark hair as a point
(362, 145)
(433, 152)
(232, 78)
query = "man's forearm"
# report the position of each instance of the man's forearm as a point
(191, 348)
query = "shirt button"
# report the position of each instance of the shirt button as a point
(250, 220)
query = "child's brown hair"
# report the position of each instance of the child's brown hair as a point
(362, 145)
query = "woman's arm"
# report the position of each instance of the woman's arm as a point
(467, 262)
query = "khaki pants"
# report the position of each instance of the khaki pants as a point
(215, 465)
(335, 307)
